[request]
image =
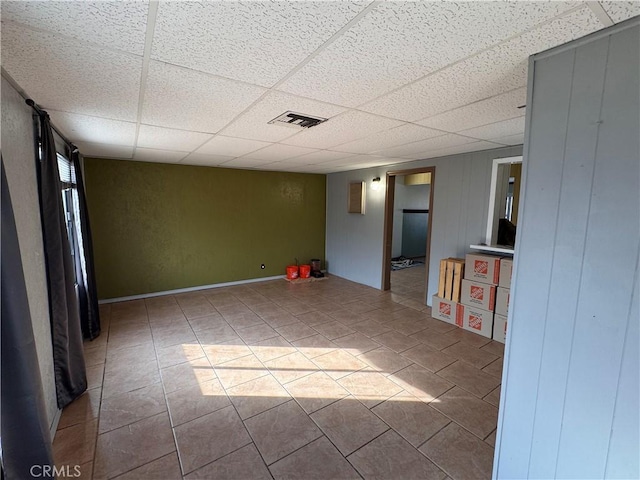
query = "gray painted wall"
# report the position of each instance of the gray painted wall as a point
(19, 160)
(569, 406)
(461, 200)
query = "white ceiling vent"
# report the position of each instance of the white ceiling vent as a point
(293, 119)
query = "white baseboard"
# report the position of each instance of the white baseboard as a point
(189, 289)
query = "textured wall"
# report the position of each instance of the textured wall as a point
(461, 200)
(570, 389)
(160, 227)
(19, 161)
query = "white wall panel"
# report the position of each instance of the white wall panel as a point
(569, 406)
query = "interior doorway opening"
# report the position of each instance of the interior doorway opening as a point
(407, 232)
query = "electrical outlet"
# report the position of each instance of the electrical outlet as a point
(262, 267)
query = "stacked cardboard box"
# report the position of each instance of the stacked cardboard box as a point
(502, 300)
(445, 302)
(478, 297)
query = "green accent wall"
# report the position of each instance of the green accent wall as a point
(160, 227)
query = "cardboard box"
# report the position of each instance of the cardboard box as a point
(482, 268)
(499, 328)
(444, 310)
(506, 266)
(478, 295)
(476, 320)
(502, 301)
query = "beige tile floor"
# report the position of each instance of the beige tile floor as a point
(409, 282)
(322, 380)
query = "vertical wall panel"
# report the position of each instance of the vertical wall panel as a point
(623, 459)
(606, 285)
(570, 390)
(354, 242)
(534, 246)
(568, 249)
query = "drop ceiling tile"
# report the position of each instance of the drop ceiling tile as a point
(159, 156)
(394, 44)
(277, 152)
(253, 124)
(113, 24)
(67, 75)
(85, 128)
(347, 127)
(389, 138)
(619, 11)
(510, 140)
(162, 138)
(230, 146)
(484, 112)
(205, 160)
(417, 150)
(486, 74)
(102, 150)
(321, 156)
(257, 42)
(177, 97)
(244, 163)
(506, 128)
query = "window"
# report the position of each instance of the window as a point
(68, 190)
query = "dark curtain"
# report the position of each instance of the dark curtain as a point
(85, 273)
(24, 430)
(68, 356)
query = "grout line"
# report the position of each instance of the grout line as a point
(272, 300)
(436, 433)
(164, 390)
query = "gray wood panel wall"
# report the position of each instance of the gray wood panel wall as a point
(569, 406)
(460, 205)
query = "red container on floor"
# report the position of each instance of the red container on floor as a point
(292, 272)
(305, 271)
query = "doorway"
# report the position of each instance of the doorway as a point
(405, 223)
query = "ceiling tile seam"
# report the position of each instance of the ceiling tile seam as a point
(113, 119)
(310, 57)
(473, 103)
(73, 39)
(404, 123)
(599, 11)
(99, 117)
(479, 52)
(328, 42)
(377, 152)
(209, 74)
(486, 125)
(146, 60)
(442, 132)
